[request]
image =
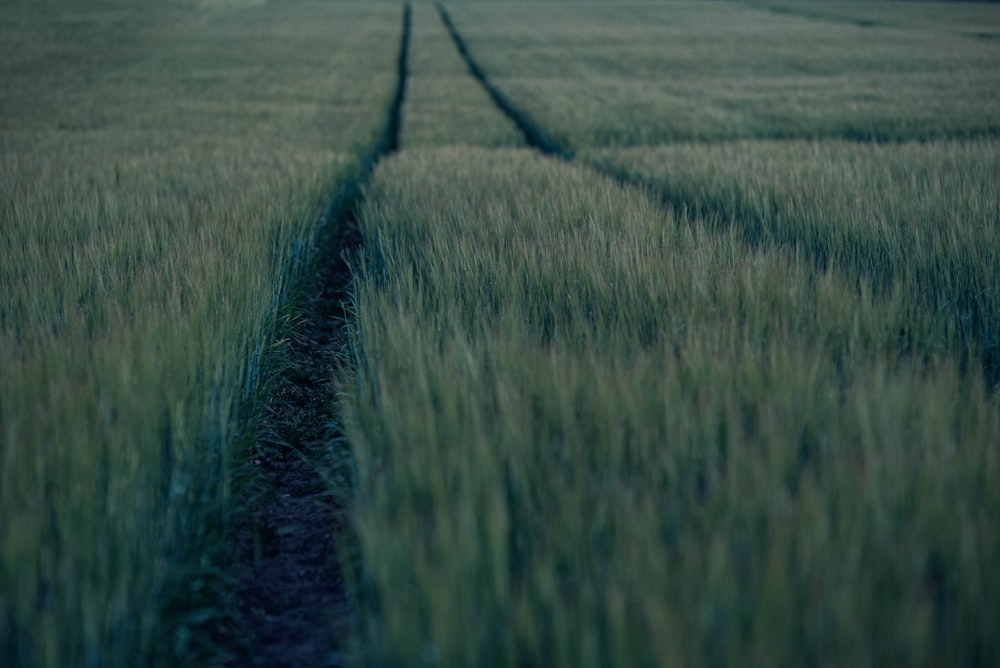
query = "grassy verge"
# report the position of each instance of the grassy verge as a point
(162, 176)
(630, 74)
(587, 434)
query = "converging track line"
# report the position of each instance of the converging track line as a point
(290, 586)
(534, 136)
(752, 229)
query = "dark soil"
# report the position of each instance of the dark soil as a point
(290, 585)
(288, 542)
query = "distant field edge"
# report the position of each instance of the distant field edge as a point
(819, 16)
(347, 195)
(816, 13)
(867, 124)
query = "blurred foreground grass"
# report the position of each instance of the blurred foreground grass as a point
(590, 434)
(162, 174)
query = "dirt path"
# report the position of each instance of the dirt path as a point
(290, 592)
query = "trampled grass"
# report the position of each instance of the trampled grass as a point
(615, 74)
(589, 434)
(162, 174)
(922, 217)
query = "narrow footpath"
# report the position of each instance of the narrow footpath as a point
(292, 603)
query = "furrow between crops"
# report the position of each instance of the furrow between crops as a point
(534, 136)
(976, 326)
(291, 541)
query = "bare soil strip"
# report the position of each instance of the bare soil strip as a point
(287, 546)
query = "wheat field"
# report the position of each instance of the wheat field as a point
(715, 383)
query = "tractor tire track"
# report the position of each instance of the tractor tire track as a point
(798, 12)
(290, 593)
(978, 328)
(819, 16)
(534, 136)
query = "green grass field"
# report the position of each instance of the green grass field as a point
(621, 75)
(161, 171)
(917, 217)
(615, 438)
(719, 390)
